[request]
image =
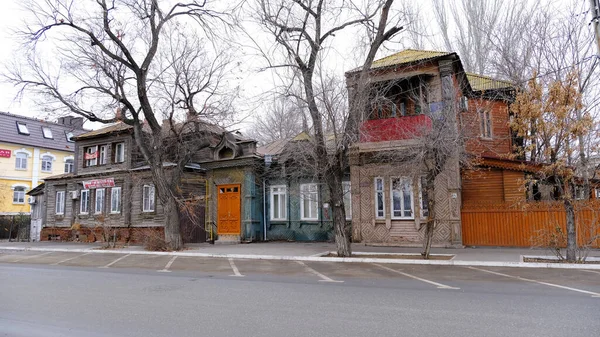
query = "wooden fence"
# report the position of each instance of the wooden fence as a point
(531, 224)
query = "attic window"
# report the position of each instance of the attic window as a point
(22, 128)
(226, 153)
(47, 132)
(69, 136)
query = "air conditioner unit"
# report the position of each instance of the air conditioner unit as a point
(31, 200)
(463, 103)
(74, 195)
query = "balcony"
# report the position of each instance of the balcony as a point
(394, 128)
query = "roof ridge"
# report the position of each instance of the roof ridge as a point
(33, 119)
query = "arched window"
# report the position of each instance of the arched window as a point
(69, 163)
(46, 164)
(19, 195)
(21, 161)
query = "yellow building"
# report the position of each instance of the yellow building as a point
(30, 150)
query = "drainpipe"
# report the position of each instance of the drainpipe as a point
(264, 209)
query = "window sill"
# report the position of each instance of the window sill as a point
(21, 169)
(309, 220)
(486, 138)
(18, 203)
(405, 218)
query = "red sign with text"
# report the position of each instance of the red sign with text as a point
(5, 153)
(99, 183)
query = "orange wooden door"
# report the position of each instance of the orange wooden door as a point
(228, 209)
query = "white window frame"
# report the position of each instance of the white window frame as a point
(91, 162)
(60, 203)
(22, 189)
(115, 208)
(84, 201)
(402, 209)
(102, 154)
(306, 193)
(47, 132)
(281, 192)
(21, 160)
(120, 152)
(69, 136)
(149, 194)
(377, 192)
(102, 199)
(347, 188)
(47, 162)
(69, 165)
(22, 128)
(485, 124)
(421, 199)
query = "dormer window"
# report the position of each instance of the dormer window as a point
(47, 132)
(69, 136)
(22, 128)
(226, 153)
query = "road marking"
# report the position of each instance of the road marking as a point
(539, 282)
(69, 259)
(236, 271)
(166, 269)
(115, 261)
(314, 272)
(31, 257)
(591, 271)
(438, 285)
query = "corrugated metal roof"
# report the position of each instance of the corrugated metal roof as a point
(407, 56)
(10, 134)
(480, 82)
(115, 127)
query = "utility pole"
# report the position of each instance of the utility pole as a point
(595, 10)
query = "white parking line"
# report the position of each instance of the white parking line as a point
(69, 259)
(31, 257)
(314, 272)
(591, 271)
(115, 261)
(236, 271)
(539, 282)
(166, 269)
(438, 285)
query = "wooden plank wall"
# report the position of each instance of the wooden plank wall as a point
(503, 224)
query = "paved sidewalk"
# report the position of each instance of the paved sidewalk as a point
(313, 251)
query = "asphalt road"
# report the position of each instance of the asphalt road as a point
(73, 295)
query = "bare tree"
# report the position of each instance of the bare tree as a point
(302, 31)
(283, 119)
(142, 58)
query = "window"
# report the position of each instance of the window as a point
(91, 156)
(84, 203)
(102, 155)
(347, 199)
(148, 198)
(579, 193)
(69, 164)
(485, 120)
(379, 199)
(47, 132)
(69, 136)
(60, 202)
(278, 202)
(22, 128)
(19, 195)
(21, 161)
(99, 204)
(309, 202)
(119, 152)
(46, 164)
(115, 200)
(424, 198)
(401, 192)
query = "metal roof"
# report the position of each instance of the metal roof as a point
(408, 56)
(111, 128)
(9, 132)
(480, 82)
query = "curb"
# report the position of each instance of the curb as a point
(323, 259)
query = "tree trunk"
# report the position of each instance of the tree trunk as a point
(168, 199)
(341, 230)
(571, 231)
(430, 224)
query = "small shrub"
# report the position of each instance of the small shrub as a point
(155, 242)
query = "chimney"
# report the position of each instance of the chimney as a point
(119, 115)
(77, 122)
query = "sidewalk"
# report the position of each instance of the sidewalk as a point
(313, 251)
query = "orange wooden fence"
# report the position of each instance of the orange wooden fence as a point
(528, 224)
